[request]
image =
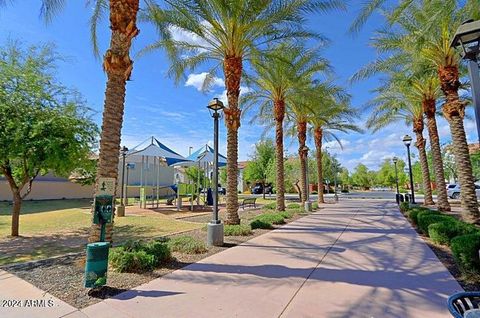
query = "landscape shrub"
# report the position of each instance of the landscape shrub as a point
(137, 256)
(404, 207)
(237, 230)
(444, 232)
(187, 245)
(269, 206)
(413, 213)
(465, 251)
(315, 205)
(427, 218)
(287, 214)
(259, 224)
(272, 218)
(293, 206)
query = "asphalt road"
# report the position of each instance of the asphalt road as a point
(385, 195)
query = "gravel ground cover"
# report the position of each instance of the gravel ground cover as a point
(63, 276)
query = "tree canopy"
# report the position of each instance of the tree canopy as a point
(45, 126)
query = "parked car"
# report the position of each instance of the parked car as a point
(221, 190)
(258, 188)
(453, 190)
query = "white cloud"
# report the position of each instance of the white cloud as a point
(197, 80)
(223, 96)
(182, 35)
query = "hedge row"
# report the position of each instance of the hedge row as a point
(463, 238)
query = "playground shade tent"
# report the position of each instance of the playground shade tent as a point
(150, 158)
(203, 158)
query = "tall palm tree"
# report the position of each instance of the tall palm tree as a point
(396, 100)
(229, 33)
(118, 66)
(401, 44)
(277, 75)
(433, 43)
(334, 115)
(437, 50)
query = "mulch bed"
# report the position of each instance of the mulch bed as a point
(63, 276)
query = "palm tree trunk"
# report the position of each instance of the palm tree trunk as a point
(427, 184)
(233, 73)
(429, 109)
(302, 153)
(318, 136)
(454, 111)
(279, 113)
(118, 66)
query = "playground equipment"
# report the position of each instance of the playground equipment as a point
(152, 183)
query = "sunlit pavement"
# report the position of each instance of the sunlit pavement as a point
(357, 258)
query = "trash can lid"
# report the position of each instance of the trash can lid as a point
(98, 244)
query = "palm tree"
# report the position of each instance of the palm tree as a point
(278, 74)
(402, 45)
(396, 100)
(440, 19)
(229, 34)
(118, 66)
(436, 49)
(334, 115)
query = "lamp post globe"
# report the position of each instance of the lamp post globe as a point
(215, 227)
(407, 140)
(467, 38)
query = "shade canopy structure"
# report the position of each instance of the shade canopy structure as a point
(155, 149)
(150, 156)
(204, 155)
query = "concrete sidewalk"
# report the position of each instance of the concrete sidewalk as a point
(353, 259)
(356, 258)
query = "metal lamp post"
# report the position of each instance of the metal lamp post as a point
(407, 140)
(121, 208)
(395, 161)
(468, 38)
(335, 179)
(215, 227)
(308, 204)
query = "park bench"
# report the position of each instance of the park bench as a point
(248, 202)
(461, 302)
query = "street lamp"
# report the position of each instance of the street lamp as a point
(395, 160)
(121, 208)
(215, 227)
(407, 140)
(468, 38)
(308, 204)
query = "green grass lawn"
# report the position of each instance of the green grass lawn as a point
(55, 227)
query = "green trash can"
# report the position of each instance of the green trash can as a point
(96, 264)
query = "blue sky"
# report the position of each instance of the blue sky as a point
(177, 114)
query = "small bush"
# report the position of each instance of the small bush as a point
(258, 224)
(269, 206)
(426, 218)
(404, 207)
(444, 232)
(293, 206)
(287, 214)
(272, 218)
(137, 256)
(237, 230)
(413, 213)
(187, 245)
(465, 251)
(315, 205)
(131, 261)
